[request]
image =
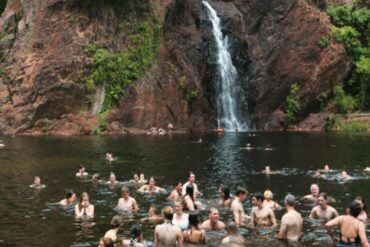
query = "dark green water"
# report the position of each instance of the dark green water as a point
(29, 218)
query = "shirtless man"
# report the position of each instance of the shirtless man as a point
(213, 223)
(291, 222)
(167, 234)
(237, 207)
(191, 181)
(314, 193)
(151, 187)
(176, 192)
(71, 199)
(126, 203)
(112, 180)
(82, 172)
(261, 215)
(323, 210)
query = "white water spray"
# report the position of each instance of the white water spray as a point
(229, 96)
(98, 100)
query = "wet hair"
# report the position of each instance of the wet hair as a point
(108, 242)
(240, 191)
(176, 182)
(82, 166)
(268, 194)
(37, 177)
(125, 189)
(290, 200)
(212, 209)
(96, 176)
(69, 194)
(167, 213)
(193, 219)
(314, 185)
(84, 194)
(323, 195)
(359, 198)
(232, 228)
(354, 208)
(151, 178)
(135, 231)
(112, 174)
(190, 191)
(116, 221)
(226, 192)
(259, 196)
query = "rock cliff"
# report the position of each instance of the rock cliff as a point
(273, 44)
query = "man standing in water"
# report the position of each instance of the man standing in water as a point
(323, 210)
(237, 207)
(127, 203)
(261, 215)
(291, 222)
(167, 234)
(213, 223)
(191, 181)
(314, 193)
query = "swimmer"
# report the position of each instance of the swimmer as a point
(37, 183)
(135, 180)
(191, 181)
(106, 242)
(268, 202)
(317, 174)
(200, 140)
(136, 238)
(109, 157)
(268, 171)
(239, 216)
(115, 224)
(153, 131)
(367, 169)
(261, 215)
(176, 192)
(233, 236)
(167, 234)
(142, 179)
(152, 216)
(189, 201)
(291, 222)
(84, 208)
(268, 147)
(352, 232)
(363, 215)
(112, 180)
(225, 196)
(213, 223)
(194, 235)
(323, 210)
(2, 144)
(248, 146)
(82, 172)
(326, 169)
(151, 187)
(314, 188)
(71, 199)
(95, 178)
(344, 175)
(180, 218)
(126, 203)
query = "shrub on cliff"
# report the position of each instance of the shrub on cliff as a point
(292, 104)
(352, 29)
(343, 103)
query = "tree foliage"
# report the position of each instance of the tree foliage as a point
(352, 29)
(293, 105)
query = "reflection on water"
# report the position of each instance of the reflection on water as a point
(31, 218)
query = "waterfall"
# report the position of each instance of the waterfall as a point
(98, 100)
(230, 97)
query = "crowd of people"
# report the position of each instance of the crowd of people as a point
(179, 222)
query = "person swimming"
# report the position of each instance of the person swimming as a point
(314, 189)
(345, 176)
(224, 193)
(213, 223)
(109, 157)
(37, 183)
(233, 237)
(194, 235)
(127, 203)
(317, 174)
(176, 191)
(151, 187)
(180, 218)
(115, 223)
(268, 201)
(84, 209)
(96, 178)
(248, 146)
(82, 172)
(152, 216)
(70, 199)
(168, 234)
(112, 180)
(261, 216)
(136, 238)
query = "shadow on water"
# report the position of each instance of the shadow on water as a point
(30, 217)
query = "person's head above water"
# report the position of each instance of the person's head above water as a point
(191, 177)
(224, 192)
(241, 193)
(125, 192)
(112, 177)
(167, 213)
(268, 195)
(213, 214)
(71, 196)
(322, 200)
(116, 221)
(82, 168)
(232, 228)
(95, 177)
(177, 185)
(290, 200)
(354, 209)
(314, 188)
(267, 170)
(257, 199)
(37, 181)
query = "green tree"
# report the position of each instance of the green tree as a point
(292, 104)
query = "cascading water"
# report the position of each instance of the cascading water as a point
(230, 97)
(98, 100)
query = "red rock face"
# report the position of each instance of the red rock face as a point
(274, 44)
